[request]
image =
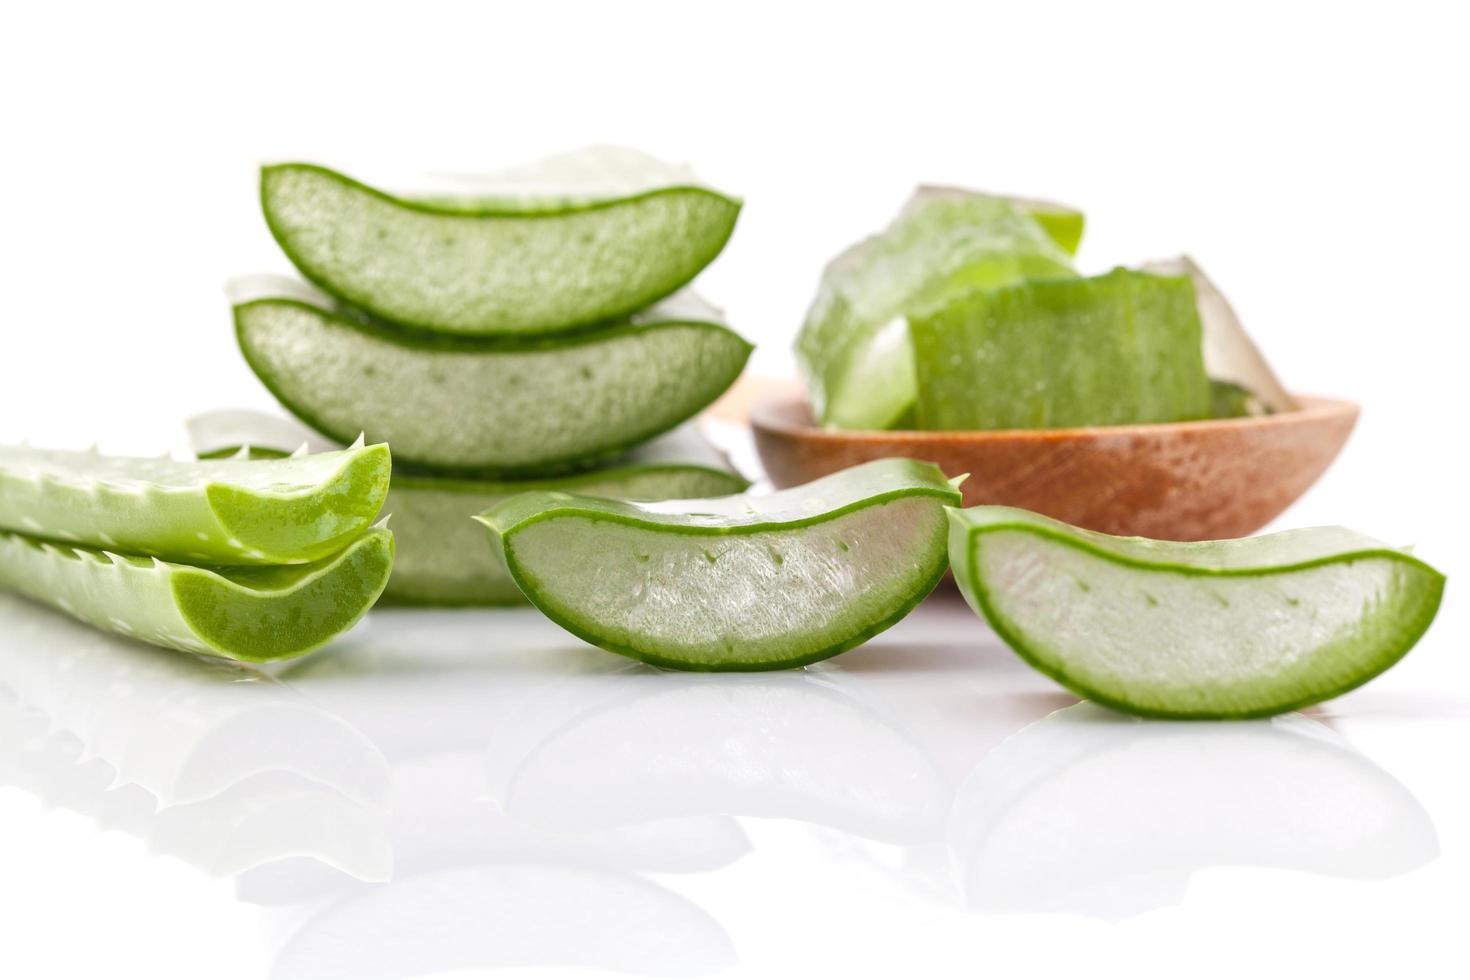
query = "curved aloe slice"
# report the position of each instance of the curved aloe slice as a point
(735, 583)
(217, 512)
(616, 232)
(505, 409)
(1210, 629)
(437, 562)
(854, 349)
(240, 613)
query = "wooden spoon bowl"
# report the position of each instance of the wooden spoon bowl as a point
(1184, 481)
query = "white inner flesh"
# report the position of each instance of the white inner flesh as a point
(760, 597)
(1174, 641)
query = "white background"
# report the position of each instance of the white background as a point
(1312, 157)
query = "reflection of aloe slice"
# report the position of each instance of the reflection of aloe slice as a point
(1070, 814)
(183, 728)
(634, 747)
(224, 512)
(1211, 629)
(468, 920)
(519, 408)
(733, 583)
(437, 563)
(504, 257)
(854, 349)
(1115, 349)
(261, 613)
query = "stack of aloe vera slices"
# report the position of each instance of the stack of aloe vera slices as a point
(251, 560)
(966, 313)
(526, 330)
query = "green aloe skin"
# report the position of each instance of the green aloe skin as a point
(1215, 629)
(576, 240)
(221, 512)
(1117, 349)
(439, 560)
(247, 613)
(854, 350)
(484, 408)
(736, 583)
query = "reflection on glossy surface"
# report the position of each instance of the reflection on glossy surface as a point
(486, 917)
(1094, 812)
(182, 727)
(210, 762)
(445, 791)
(645, 745)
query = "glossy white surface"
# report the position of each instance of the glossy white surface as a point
(444, 793)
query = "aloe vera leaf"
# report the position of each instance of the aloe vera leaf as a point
(531, 407)
(1114, 349)
(254, 613)
(734, 583)
(1213, 629)
(506, 257)
(1230, 354)
(854, 351)
(437, 562)
(218, 512)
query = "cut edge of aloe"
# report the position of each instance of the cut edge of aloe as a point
(218, 612)
(225, 519)
(518, 513)
(968, 525)
(490, 210)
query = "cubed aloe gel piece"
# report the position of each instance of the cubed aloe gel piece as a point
(214, 512)
(854, 350)
(736, 583)
(1212, 629)
(437, 562)
(492, 408)
(248, 613)
(1115, 349)
(579, 239)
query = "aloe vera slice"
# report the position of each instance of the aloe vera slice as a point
(507, 409)
(437, 562)
(613, 232)
(1211, 629)
(854, 350)
(1114, 349)
(734, 583)
(217, 512)
(256, 614)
